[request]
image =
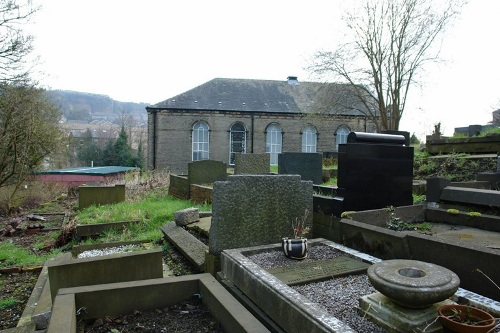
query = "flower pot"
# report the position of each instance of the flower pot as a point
(295, 248)
(463, 318)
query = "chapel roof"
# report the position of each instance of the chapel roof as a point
(290, 96)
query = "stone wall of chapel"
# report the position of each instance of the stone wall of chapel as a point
(174, 134)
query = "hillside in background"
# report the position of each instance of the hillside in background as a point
(87, 107)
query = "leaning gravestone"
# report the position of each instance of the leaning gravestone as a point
(307, 165)
(251, 163)
(251, 210)
(206, 172)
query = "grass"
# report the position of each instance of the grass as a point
(12, 255)
(152, 212)
(331, 182)
(5, 303)
(418, 198)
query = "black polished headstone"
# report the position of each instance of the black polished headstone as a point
(374, 171)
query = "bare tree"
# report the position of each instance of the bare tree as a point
(392, 40)
(15, 45)
(29, 132)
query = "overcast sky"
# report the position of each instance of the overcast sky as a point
(151, 50)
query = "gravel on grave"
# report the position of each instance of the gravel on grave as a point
(108, 251)
(339, 296)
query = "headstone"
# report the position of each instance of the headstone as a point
(307, 165)
(319, 270)
(186, 216)
(206, 172)
(251, 210)
(100, 195)
(374, 171)
(251, 163)
(435, 186)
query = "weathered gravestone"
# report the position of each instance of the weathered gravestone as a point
(307, 165)
(206, 172)
(251, 163)
(374, 171)
(100, 195)
(251, 210)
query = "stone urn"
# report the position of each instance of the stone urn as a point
(411, 283)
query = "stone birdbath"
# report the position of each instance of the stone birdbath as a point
(413, 284)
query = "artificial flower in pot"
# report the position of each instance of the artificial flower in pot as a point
(296, 247)
(465, 319)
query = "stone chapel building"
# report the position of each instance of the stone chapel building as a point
(226, 116)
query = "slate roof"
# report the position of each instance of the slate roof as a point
(250, 95)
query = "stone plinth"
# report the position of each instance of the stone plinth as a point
(397, 319)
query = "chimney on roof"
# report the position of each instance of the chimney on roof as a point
(292, 80)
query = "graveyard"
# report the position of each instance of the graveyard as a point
(372, 261)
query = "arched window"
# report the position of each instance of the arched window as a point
(200, 142)
(341, 135)
(309, 139)
(237, 141)
(273, 142)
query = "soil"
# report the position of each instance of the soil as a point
(189, 316)
(17, 283)
(17, 286)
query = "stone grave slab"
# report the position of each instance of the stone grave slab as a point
(319, 270)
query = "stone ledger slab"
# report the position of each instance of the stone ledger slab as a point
(318, 270)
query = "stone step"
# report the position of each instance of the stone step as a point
(192, 248)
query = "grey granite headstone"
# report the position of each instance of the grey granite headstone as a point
(251, 210)
(206, 172)
(319, 270)
(252, 163)
(307, 165)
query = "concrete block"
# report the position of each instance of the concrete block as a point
(471, 196)
(186, 216)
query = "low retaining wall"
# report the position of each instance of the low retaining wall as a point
(87, 230)
(365, 231)
(200, 194)
(65, 271)
(179, 186)
(488, 144)
(123, 298)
